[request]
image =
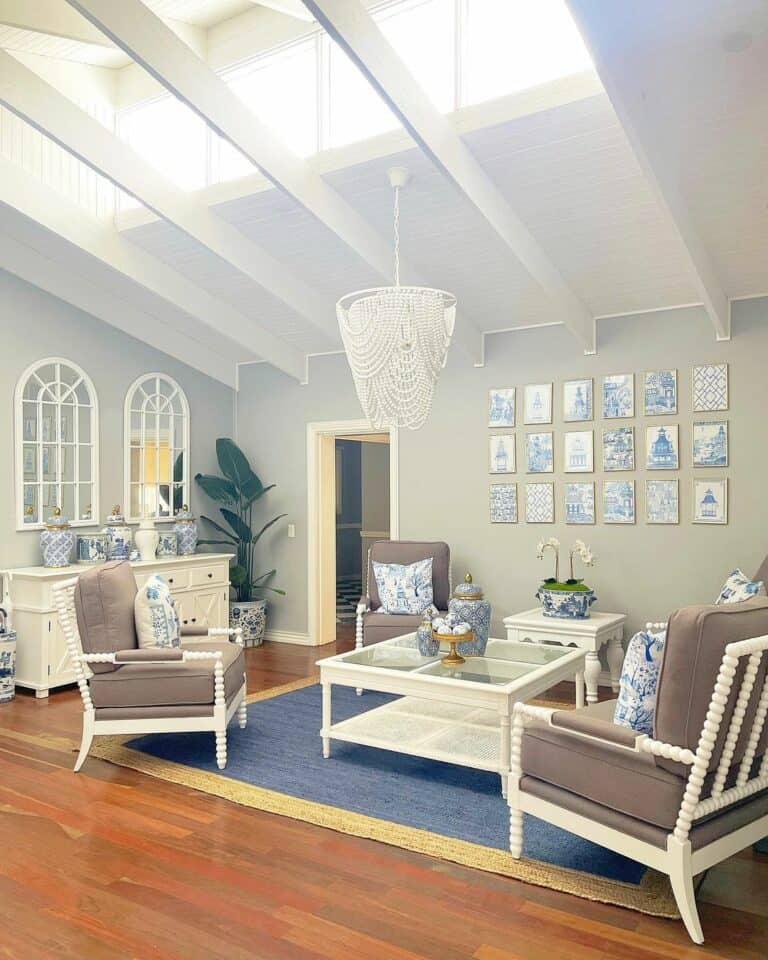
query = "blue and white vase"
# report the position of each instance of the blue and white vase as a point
(469, 605)
(7, 660)
(56, 541)
(251, 616)
(428, 646)
(168, 544)
(119, 536)
(566, 604)
(91, 548)
(186, 532)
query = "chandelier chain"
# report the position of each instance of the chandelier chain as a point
(397, 236)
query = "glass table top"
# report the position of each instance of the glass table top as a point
(504, 662)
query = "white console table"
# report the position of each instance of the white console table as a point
(199, 584)
(598, 630)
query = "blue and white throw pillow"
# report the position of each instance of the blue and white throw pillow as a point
(639, 679)
(404, 588)
(157, 621)
(739, 587)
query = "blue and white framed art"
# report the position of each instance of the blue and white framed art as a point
(710, 443)
(661, 448)
(539, 455)
(578, 452)
(538, 403)
(618, 501)
(577, 400)
(619, 448)
(503, 503)
(662, 504)
(619, 396)
(580, 501)
(710, 387)
(660, 392)
(710, 501)
(501, 407)
(502, 453)
(539, 503)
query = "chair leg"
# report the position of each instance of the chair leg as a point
(221, 749)
(242, 714)
(515, 832)
(359, 640)
(87, 738)
(681, 879)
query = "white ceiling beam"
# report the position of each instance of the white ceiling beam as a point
(27, 95)
(593, 18)
(50, 17)
(291, 8)
(350, 24)
(21, 192)
(141, 34)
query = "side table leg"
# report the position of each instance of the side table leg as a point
(504, 751)
(592, 675)
(615, 661)
(326, 720)
(579, 690)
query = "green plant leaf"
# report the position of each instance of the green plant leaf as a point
(233, 462)
(242, 530)
(237, 575)
(252, 488)
(218, 526)
(228, 543)
(266, 527)
(263, 576)
(217, 488)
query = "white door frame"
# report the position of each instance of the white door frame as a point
(315, 432)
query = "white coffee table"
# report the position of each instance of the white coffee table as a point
(458, 714)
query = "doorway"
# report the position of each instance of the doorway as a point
(352, 502)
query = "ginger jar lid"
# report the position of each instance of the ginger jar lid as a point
(185, 515)
(57, 521)
(468, 590)
(117, 517)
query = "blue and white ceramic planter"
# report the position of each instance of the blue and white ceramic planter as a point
(186, 532)
(7, 660)
(57, 541)
(251, 615)
(119, 536)
(167, 545)
(91, 548)
(468, 604)
(566, 604)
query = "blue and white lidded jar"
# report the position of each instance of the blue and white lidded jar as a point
(468, 604)
(186, 531)
(91, 548)
(119, 536)
(168, 544)
(56, 541)
(7, 660)
(428, 645)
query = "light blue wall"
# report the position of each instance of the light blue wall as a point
(34, 325)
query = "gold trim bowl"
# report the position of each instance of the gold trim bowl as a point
(454, 658)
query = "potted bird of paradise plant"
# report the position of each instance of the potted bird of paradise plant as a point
(240, 491)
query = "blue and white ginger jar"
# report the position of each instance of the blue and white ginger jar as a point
(469, 605)
(91, 548)
(56, 541)
(185, 529)
(428, 645)
(119, 536)
(7, 660)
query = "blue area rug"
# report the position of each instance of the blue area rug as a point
(449, 811)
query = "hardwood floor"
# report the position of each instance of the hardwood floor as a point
(112, 864)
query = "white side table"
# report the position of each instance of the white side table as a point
(597, 630)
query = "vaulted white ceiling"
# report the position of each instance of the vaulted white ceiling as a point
(647, 194)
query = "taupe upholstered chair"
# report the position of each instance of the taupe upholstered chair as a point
(199, 686)
(372, 625)
(688, 797)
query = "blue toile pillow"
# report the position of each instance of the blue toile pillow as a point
(157, 621)
(404, 588)
(739, 587)
(639, 679)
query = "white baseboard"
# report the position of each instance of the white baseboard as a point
(285, 636)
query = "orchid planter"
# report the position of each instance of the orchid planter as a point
(566, 604)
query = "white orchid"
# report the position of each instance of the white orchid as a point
(584, 553)
(552, 544)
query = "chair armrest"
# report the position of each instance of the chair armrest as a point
(363, 605)
(575, 721)
(149, 655)
(231, 633)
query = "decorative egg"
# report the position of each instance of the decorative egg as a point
(457, 631)
(445, 631)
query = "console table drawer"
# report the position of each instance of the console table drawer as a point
(215, 573)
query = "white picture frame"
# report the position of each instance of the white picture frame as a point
(578, 451)
(709, 443)
(502, 454)
(662, 447)
(619, 503)
(710, 500)
(710, 387)
(503, 503)
(501, 407)
(662, 501)
(618, 396)
(539, 452)
(580, 502)
(660, 392)
(540, 502)
(537, 399)
(618, 449)
(578, 400)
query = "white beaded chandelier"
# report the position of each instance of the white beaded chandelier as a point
(396, 340)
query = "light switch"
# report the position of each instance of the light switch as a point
(291, 531)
